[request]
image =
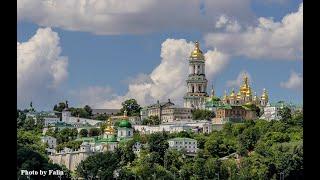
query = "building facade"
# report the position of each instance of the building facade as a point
(166, 111)
(197, 126)
(233, 113)
(187, 144)
(51, 141)
(196, 83)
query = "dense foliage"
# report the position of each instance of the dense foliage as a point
(151, 120)
(131, 106)
(250, 150)
(31, 154)
(199, 114)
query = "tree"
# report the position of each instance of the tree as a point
(125, 153)
(152, 120)
(131, 106)
(218, 146)
(102, 117)
(249, 138)
(94, 132)
(88, 109)
(59, 107)
(200, 114)
(212, 167)
(285, 113)
(83, 133)
(173, 160)
(100, 165)
(158, 143)
(74, 145)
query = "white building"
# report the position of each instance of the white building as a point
(199, 126)
(271, 112)
(50, 121)
(187, 144)
(52, 142)
(166, 111)
(67, 118)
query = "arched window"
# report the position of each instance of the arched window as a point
(192, 88)
(199, 88)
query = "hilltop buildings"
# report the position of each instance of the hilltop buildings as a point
(107, 142)
(166, 111)
(187, 144)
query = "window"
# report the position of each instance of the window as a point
(189, 142)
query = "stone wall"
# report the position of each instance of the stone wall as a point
(70, 159)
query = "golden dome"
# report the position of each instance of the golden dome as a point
(232, 95)
(245, 85)
(248, 93)
(264, 95)
(239, 95)
(197, 53)
(225, 97)
(109, 129)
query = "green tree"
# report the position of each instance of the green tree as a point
(173, 160)
(285, 113)
(125, 153)
(83, 133)
(100, 165)
(59, 107)
(200, 114)
(102, 117)
(158, 143)
(88, 109)
(249, 138)
(212, 167)
(131, 106)
(218, 146)
(94, 132)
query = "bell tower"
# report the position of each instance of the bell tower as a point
(197, 83)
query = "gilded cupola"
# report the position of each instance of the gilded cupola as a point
(264, 95)
(245, 85)
(197, 53)
(109, 129)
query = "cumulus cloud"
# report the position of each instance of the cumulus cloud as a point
(168, 79)
(227, 24)
(40, 68)
(295, 82)
(266, 40)
(238, 81)
(134, 16)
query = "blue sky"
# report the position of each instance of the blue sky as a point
(108, 60)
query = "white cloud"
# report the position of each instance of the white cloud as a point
(227, 24)
(267, 40)
(295, 82)
(134, 16)
(167, 80)
(238, 81)
(40, 68)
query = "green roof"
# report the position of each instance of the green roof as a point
(125, 124)
(225, 106)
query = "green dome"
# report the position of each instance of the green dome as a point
(125, 123)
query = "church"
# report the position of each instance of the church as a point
(196, 96)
